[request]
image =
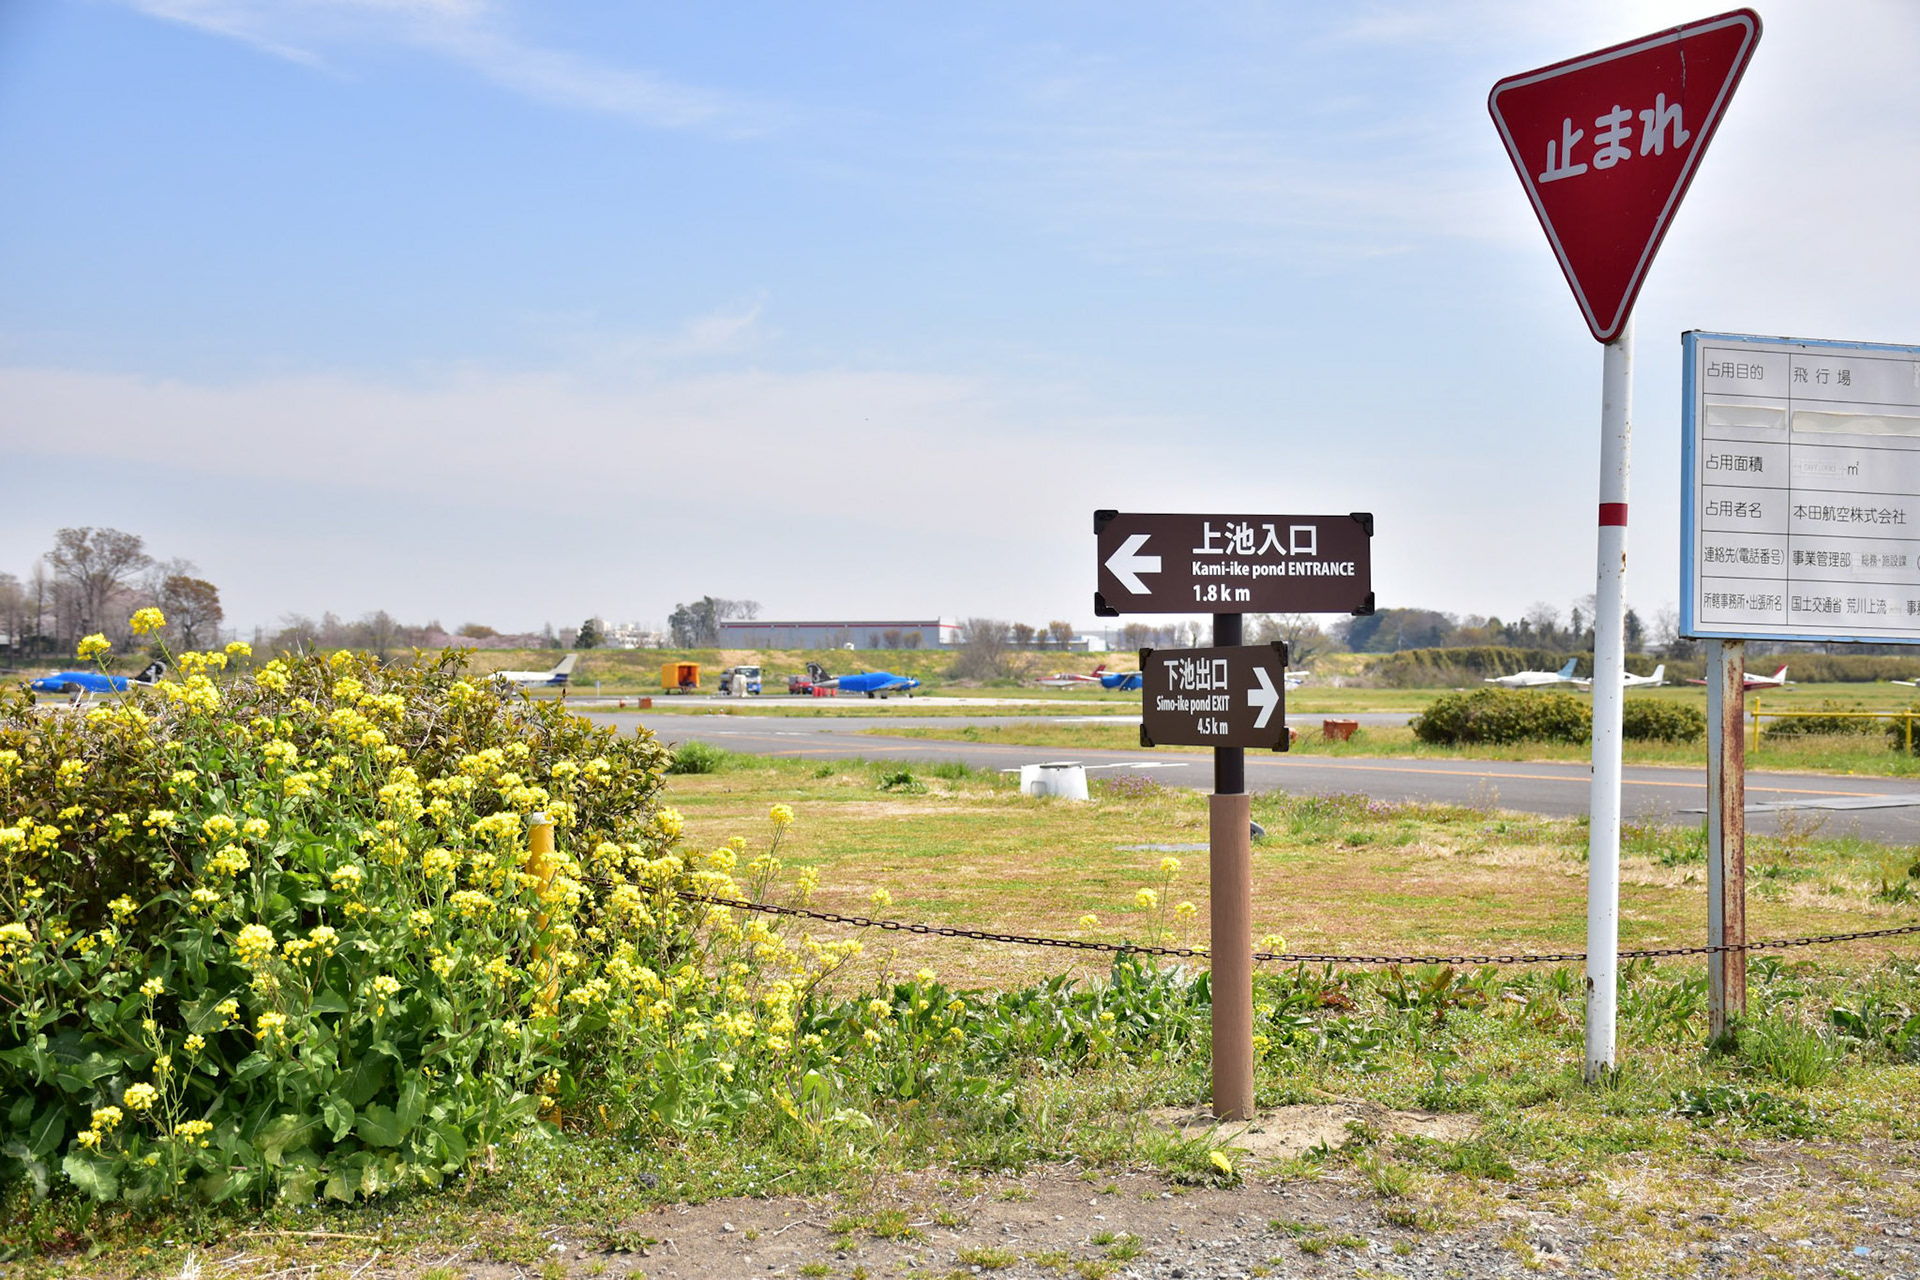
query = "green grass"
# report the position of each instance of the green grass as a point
(1837, 754)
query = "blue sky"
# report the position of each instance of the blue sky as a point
(513, 312)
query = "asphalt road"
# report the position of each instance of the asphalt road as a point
(1881, 809)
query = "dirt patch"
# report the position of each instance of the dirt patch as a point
(1289, 1132)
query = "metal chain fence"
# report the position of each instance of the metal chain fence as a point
(1274, 957)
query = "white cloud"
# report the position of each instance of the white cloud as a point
(477, 35)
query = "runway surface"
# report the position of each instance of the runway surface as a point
(1881, 809)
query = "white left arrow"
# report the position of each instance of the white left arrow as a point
(1128, 564)
(1266, 697)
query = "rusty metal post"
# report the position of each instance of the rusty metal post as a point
(1230, 880)
(1726, 833)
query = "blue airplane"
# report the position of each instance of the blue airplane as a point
(871, 683)
(1124, 681)
(96, 681)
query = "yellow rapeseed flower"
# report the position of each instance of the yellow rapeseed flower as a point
(140, 1097)
(254, 944)
(239, 649)
(1146, 899)
(93, 646)
(880, 898)
(147, 620)
(1169, 866)
(781, 815)
(1089, 921)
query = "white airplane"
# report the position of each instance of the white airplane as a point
(1777, 680)
(1534, 679)
(1293, 679)
(1071, 679)
(1659, 677)
(556, 678)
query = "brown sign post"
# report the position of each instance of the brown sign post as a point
(1228, 565)
(1233, 564)
(1233, 697)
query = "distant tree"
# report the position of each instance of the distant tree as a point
(91, 567)
(377, 632)
(477, 631)
(590, 633)
(1136, 635)
(1062, 633)
(1302, 635)
(548, 640)
(297, 634)
(983, 649)
(890, 637)
(1023, 636)
(192, 608)
(913, 639)
(1635, 633)
(13, 612)
(696, 625)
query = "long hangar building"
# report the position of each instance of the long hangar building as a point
(940, 633)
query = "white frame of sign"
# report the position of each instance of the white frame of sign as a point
(1755, 443)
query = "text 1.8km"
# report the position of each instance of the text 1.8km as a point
(1217, 593)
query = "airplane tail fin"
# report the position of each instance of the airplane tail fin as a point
(1100, 670)
(1660, 674)
(564, 668)
(817, 673)
(1781, 674)
(1566, 672)
(151, 674)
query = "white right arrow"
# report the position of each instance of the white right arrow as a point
(1266, 697)
(1128, 564)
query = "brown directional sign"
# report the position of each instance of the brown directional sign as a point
(1233, 564)
(1229, 697)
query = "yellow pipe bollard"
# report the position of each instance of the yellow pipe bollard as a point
(1754, 701)
(541, 865)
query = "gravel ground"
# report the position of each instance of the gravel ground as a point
(1065, 1222)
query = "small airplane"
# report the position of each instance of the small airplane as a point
(556, 678)
(875, 684)
(1123, 681)
(1777, 680)
(78, 682)
(1534, 679)
(1068, 679)
(1632, 681)
(1293, 679)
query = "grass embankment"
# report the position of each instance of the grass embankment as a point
(1828, 1057)
(1837, 754)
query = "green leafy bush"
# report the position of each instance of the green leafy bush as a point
(698, 757)
(283, 932)
(1657, 720)
(1812, 723)
(1897, 730)
(1501, 716)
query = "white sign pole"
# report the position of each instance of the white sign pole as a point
(1609, 690)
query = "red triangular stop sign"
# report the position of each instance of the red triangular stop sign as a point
(1606, 144)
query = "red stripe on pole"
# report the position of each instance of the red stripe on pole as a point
(1613, 513)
